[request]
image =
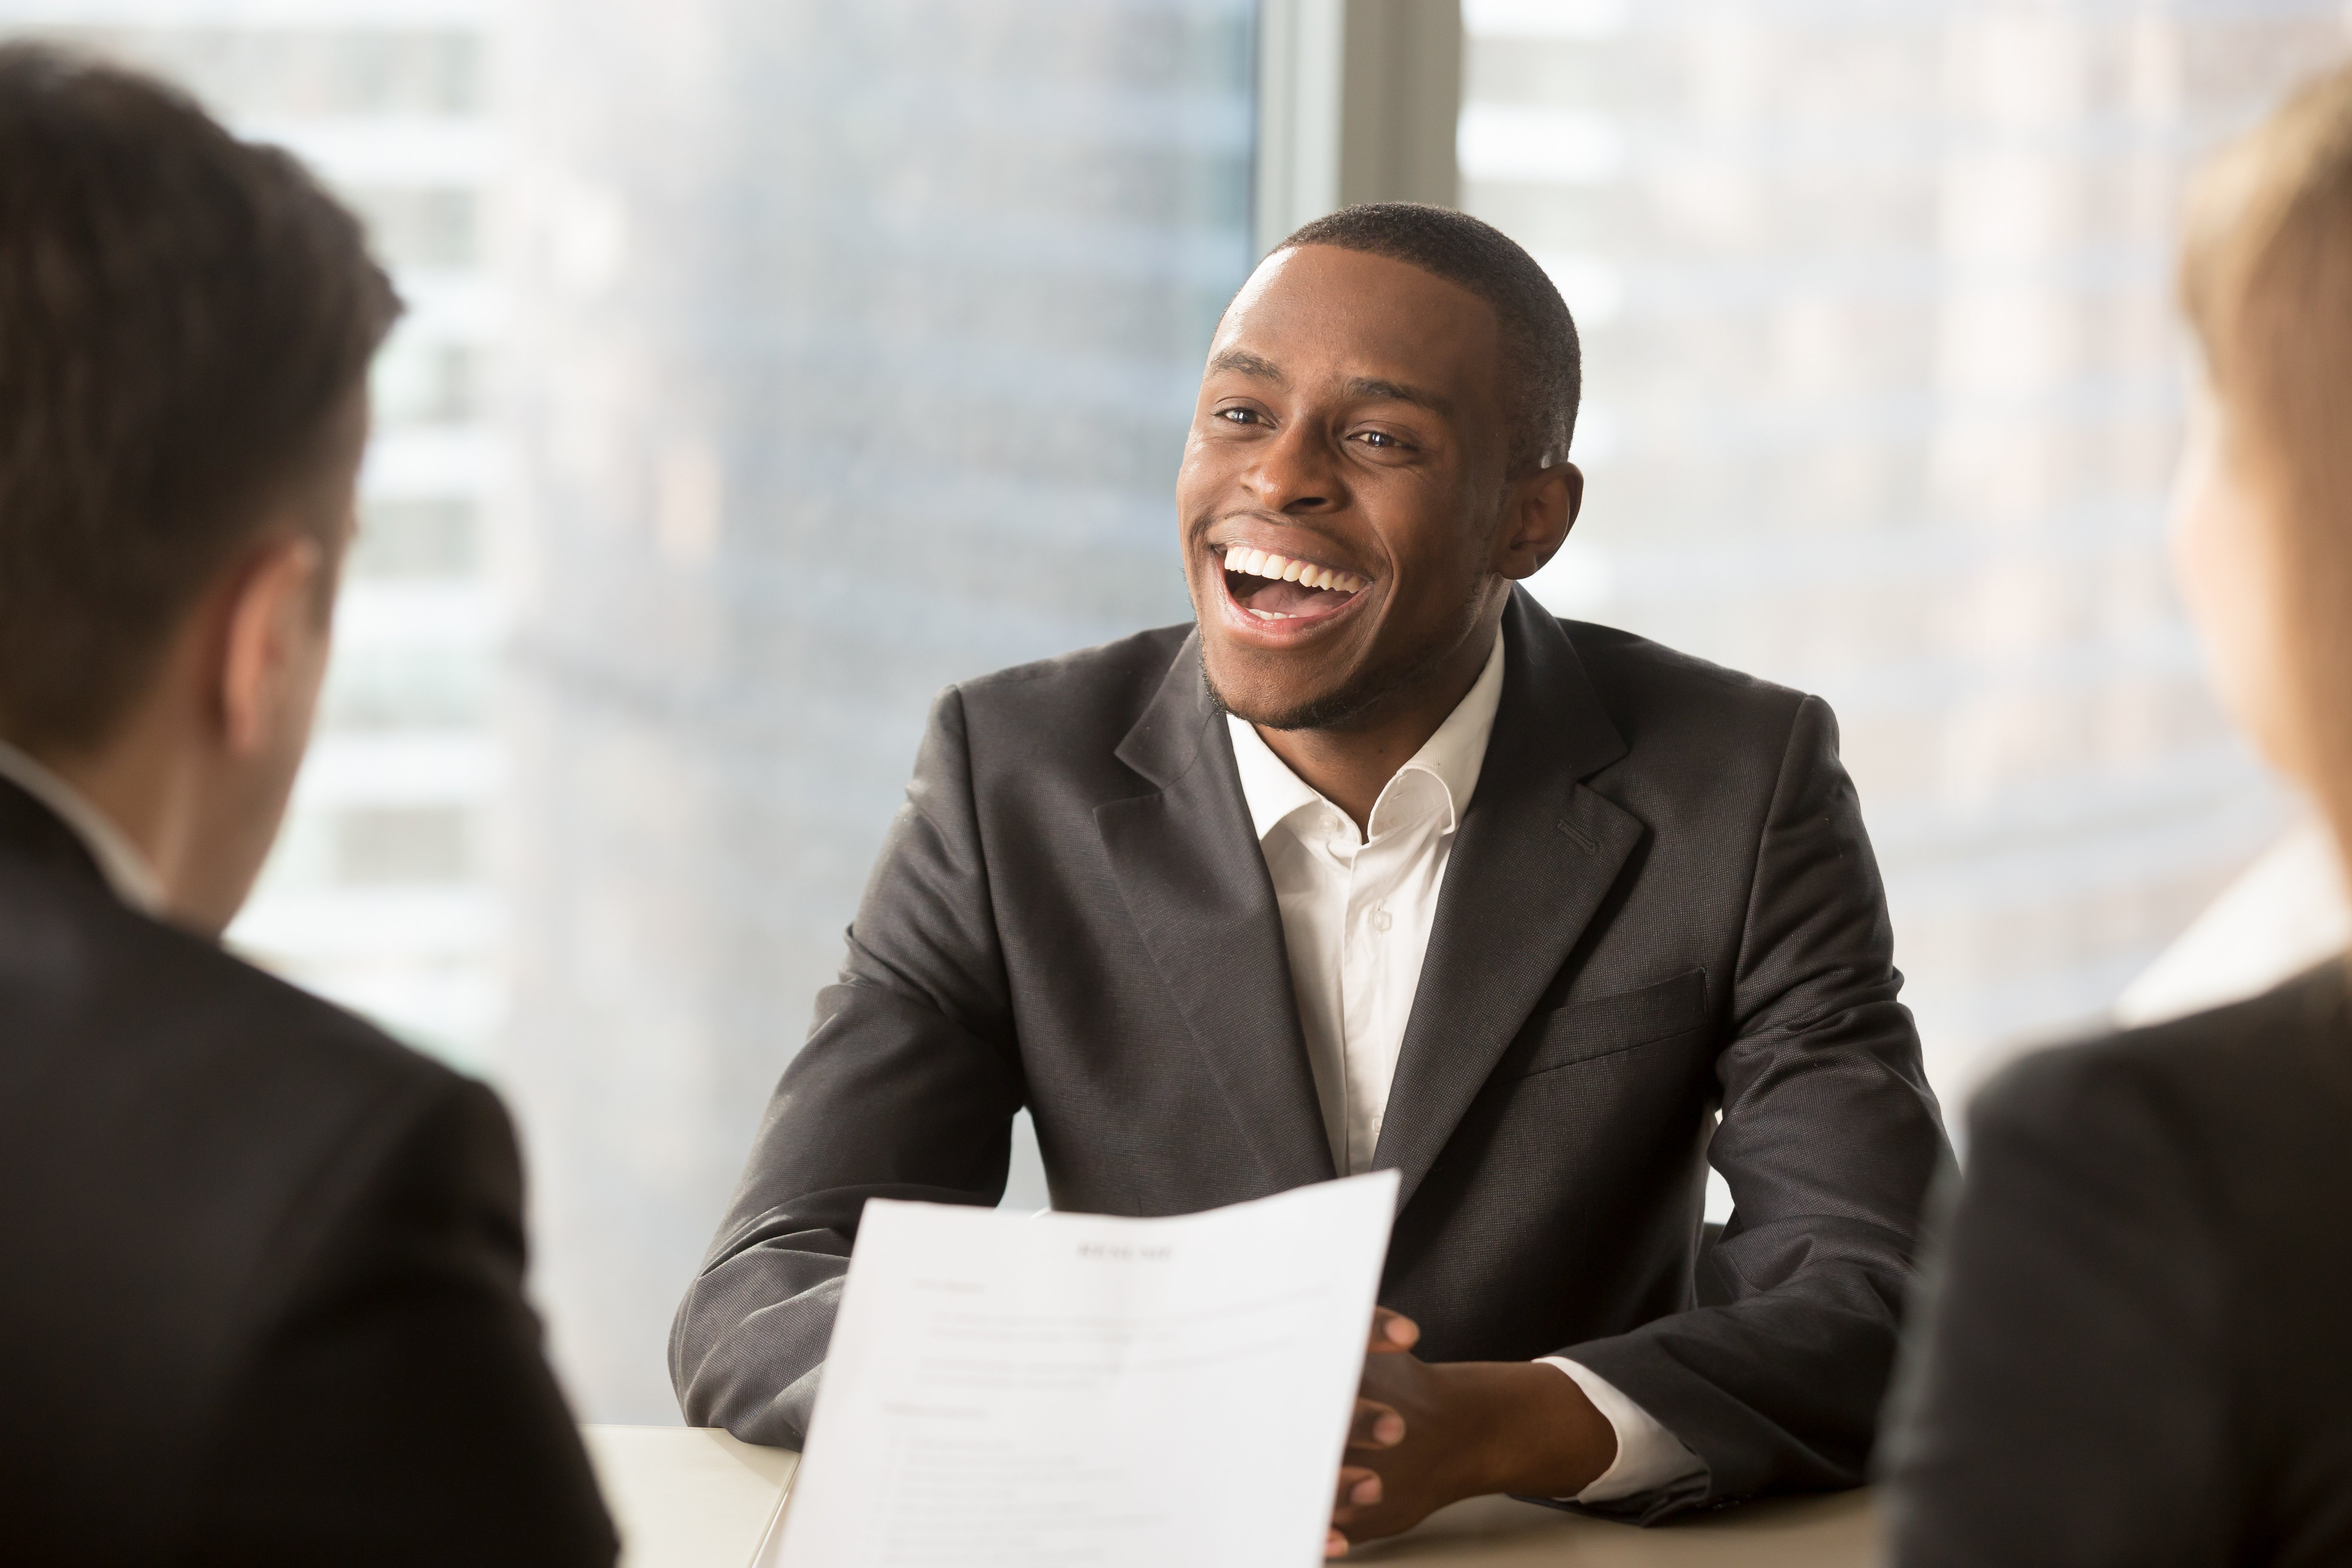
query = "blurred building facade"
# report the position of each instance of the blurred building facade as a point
(1884, 392)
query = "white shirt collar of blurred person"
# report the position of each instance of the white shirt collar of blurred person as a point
(126, 870)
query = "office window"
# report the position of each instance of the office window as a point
(1884, 390)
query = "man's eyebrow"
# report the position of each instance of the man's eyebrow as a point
(1249, 365)
(1395, 391)
(1363, 386)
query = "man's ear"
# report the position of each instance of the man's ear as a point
(1539, 511)
(275, 626)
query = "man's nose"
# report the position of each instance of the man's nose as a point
(1296, 472)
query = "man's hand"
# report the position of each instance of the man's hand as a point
(1430, 1432)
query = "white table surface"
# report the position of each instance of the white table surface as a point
(688, 1498)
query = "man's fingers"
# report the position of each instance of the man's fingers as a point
(1376, 1425)
(1358, 1487)
(1335, 1545)
(1392, 1332)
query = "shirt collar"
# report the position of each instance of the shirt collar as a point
(126, 870)
(1452, 757)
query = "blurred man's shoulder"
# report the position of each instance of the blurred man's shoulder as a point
(2258, 1061)
(129, 1020)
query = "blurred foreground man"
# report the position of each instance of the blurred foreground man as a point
(1378, 865)
(263, 1291)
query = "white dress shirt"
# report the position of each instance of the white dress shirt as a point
(126, 870)
(1357, 911)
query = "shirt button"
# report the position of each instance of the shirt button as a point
(1381, 919)
(1330, 824)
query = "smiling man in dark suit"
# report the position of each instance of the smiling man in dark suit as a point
(1378, 865)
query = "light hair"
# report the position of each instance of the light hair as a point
(2266, 277)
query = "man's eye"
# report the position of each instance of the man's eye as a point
(1378, 438)
(1239, 415)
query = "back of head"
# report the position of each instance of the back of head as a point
(183, 318)
(1543, 362)
(2267, 279)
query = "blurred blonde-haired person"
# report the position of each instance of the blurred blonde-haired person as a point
(2141, 1348)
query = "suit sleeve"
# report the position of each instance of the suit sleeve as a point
(1829, 1139)
(398, 1409)
(2068, 1400)
(906, 1087)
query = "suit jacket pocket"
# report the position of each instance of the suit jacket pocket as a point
(1606, 1025)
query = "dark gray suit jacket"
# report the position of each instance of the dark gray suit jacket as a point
(2141, 1353)
(260, 1269)
(1660, 902)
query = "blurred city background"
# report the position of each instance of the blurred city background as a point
(771, 363)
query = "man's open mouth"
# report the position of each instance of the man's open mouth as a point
(1286, 588)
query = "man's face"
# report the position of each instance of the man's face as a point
(1342, 486)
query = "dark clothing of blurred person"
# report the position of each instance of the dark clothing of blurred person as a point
(263, 1300)
(1380, 866)
(2140, 1356)
(264, 1286)
(2137, 1355)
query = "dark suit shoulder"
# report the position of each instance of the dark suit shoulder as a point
(1138, 658)
(2229, 1124)
(1110, 682)
(126, 1038)
(214, 1151)
(1637, 679)
(1704, 744)
(2228, 1074)
(1069, 712)
(2132, 1355)
(97, 984)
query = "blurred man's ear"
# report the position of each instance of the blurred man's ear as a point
(274, 650)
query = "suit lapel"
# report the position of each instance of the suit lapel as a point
(1192, 877)
(1534, 857)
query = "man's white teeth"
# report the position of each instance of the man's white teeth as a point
(1270, 614)
(1282, 569)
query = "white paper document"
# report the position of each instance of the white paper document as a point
(1063, 1390)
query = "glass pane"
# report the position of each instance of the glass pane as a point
(1884, 392)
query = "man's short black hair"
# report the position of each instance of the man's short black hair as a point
(183, 318)
(1543, 362)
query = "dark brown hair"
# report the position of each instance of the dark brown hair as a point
(184, 319)
(1543, 362)
(2266, 276)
